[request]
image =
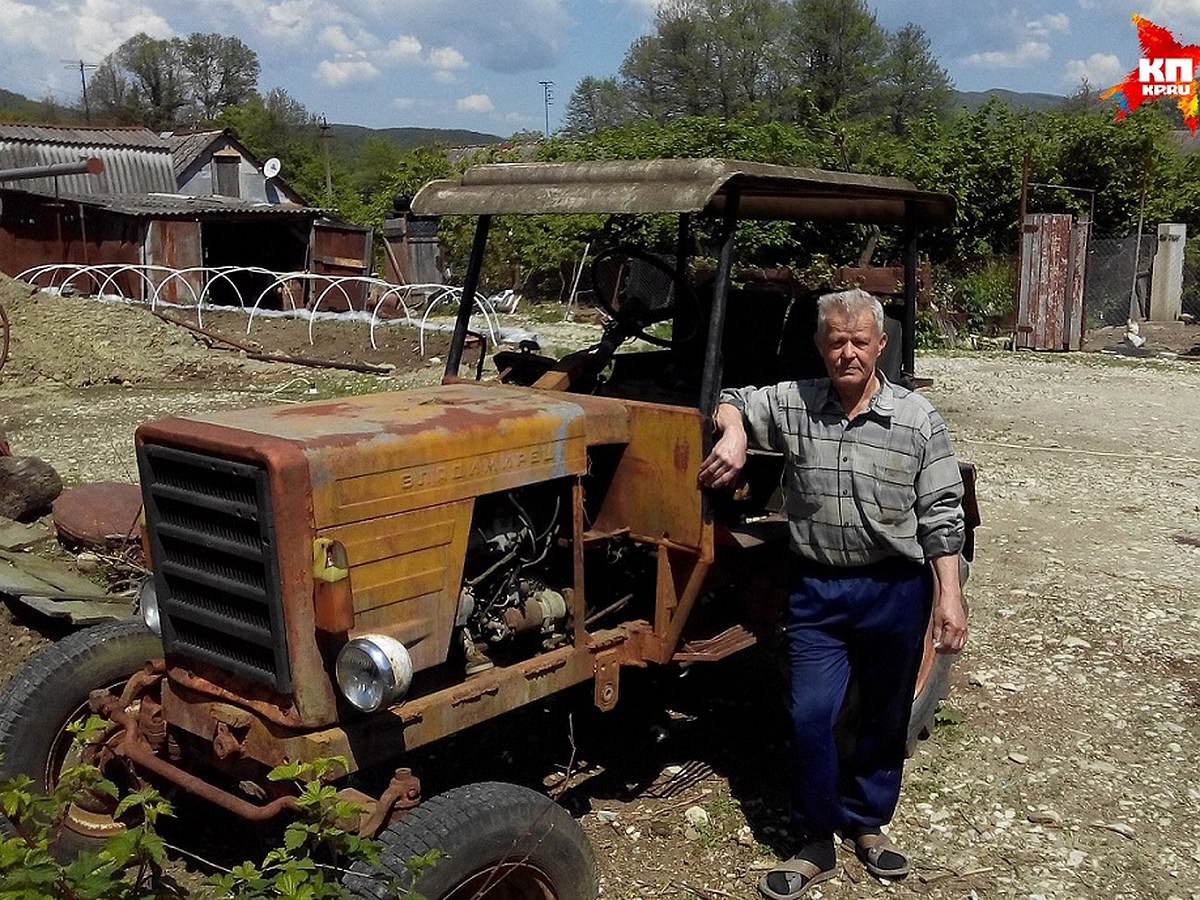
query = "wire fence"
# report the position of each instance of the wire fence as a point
(1191, 279)
(1109, 281)
(1111, 291)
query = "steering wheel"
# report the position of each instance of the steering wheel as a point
(639, 289)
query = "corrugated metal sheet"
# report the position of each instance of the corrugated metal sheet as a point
(186, 147)
(131, 136)
(136, 160)
(170, 205)
(165, 205)
(681, 186)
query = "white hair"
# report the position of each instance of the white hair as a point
(853, 303)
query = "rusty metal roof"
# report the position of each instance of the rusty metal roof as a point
(174, 206)
(170, 205)
(136, 160)
(681, 186)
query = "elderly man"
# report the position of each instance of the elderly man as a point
(874, 502)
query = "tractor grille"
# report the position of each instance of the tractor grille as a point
(216, 569)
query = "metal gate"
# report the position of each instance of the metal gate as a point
(1050, 297)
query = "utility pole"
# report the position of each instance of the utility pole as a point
(328, 176)
(547, 100)
(87, 109)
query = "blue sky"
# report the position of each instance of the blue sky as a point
(477, 63)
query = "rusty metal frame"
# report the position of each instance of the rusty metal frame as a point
(310, 724)
(467, 303)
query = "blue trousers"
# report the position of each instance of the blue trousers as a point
(868, 624)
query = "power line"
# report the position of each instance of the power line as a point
(547, 101)
(21, 80)
(87, 109)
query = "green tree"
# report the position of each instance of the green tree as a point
(271, 123)
(156, 78)
(111, 94)
(377, 159)
(596, 104)
(707, 57)
(221, 71)
(914, 83)
(838, 49)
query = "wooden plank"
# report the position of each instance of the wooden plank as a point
(1028, 263)
(1074, 309)
(81, 612)
(24, 573)
(346, 262)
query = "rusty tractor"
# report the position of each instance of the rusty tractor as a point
(363, 576)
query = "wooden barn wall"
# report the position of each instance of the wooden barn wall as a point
(38, 231)
(176, 244)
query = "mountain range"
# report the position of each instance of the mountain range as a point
(349, 138)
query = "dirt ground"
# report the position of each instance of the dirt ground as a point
(1065, 764)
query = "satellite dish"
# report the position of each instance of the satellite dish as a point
(271, 167)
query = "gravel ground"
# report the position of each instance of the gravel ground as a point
(1066, 767)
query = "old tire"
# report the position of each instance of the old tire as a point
(50, 691)
(500, 841)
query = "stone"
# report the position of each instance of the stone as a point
(1044, 817)
(696, 816)
(87, 562)
(27, 485)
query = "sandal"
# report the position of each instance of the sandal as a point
(804, 871)
(879, 855)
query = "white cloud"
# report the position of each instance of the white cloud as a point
(645, 6)
(1024, 54)
(291, 19)
(1100, 70)
(1055, 22)
(335, 37)
(405, 48)
(511, 36)
(447, 59)
(91, 29)
(1172, 9)
(403, 102)
(444, 77)
(475, 103)
(340, 73)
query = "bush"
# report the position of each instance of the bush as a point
(316, 848)
(983, 297)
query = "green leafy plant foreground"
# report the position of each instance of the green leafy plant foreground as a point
(316, 849)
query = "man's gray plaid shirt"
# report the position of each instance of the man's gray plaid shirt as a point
(883, 485)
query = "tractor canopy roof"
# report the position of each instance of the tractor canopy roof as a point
(683, 186)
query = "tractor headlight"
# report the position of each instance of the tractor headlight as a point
(373, 671)
(148, 605)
